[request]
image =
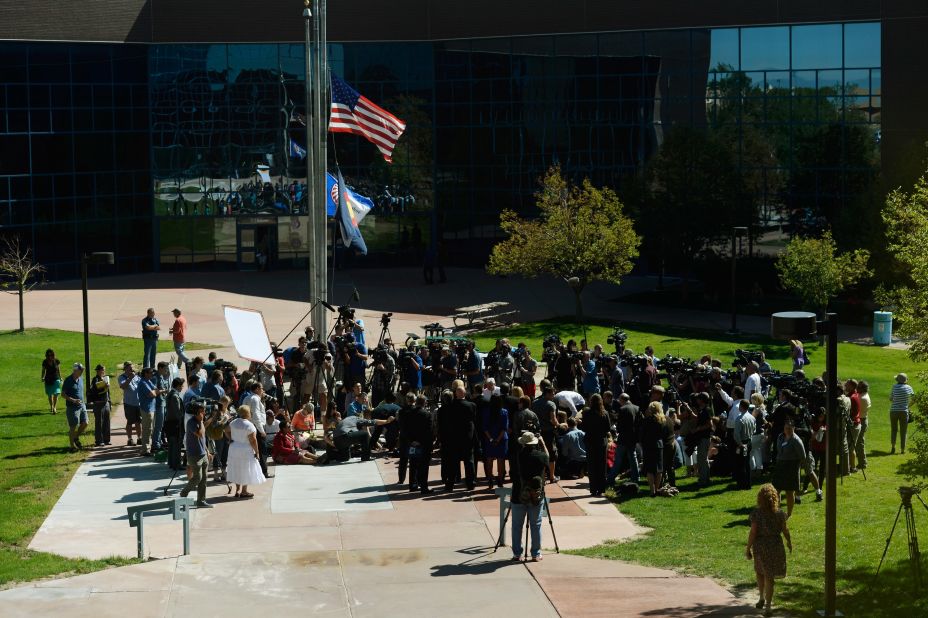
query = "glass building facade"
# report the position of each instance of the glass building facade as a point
(183, 154)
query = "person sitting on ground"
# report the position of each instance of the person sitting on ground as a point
(287, 451)
(359, 406)
(305, 418)
(572, 451)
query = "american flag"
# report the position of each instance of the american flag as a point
(353, 113)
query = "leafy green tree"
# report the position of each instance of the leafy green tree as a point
(581, 235)
(812, 269)
(905, 216)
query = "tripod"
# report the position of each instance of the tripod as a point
(502, 531)
(906, 494)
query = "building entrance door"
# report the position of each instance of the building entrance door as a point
(257, 246)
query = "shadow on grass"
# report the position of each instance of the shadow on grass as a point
(27, 413)
(743, 517)
(48, 450)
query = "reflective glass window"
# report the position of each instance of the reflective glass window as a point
(816, 47)
(765, 48)
(862, 45)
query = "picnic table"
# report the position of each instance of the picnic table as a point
(485, 313)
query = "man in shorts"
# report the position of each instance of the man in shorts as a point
(72, 389)
(129, 383)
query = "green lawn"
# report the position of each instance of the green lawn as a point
(703, 532)
(36, 465)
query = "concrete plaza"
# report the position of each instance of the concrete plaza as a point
(343, 540)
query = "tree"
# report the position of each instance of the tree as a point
(905, 216)
(18, 272)
(581, 235)
(812, 269)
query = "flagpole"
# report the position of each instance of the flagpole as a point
(320, 249)
(311, 193)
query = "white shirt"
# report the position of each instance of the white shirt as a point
(257, 411)
(734, 409)
(570, 400)
(752, 385)
(864, 405)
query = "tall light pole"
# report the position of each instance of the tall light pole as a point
(316, 103)
(735, 232)
(97, 257)
(803, 326)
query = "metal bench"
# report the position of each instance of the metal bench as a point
(179, 508)
(486, 313)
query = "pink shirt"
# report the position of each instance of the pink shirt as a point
(180, 329)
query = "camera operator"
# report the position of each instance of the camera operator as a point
(174, 423)
(356, 362)
(384, 410)
(448, 367)
(564, 370)
(716, 377)
(382, 376)
(504, 365)
(472, 365)
(197, 458)
(320, 375)
(411, 369)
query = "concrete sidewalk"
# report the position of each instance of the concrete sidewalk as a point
(340, 559)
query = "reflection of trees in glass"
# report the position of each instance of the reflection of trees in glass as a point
(812, 155)
(696, 194)
(411, 170)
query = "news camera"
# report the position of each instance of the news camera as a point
(617, 338)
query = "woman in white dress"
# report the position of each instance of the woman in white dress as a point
(242, 467)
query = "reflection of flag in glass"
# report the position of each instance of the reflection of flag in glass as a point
(297, 151)
(360, 205)
(353, 113)
(351, 234)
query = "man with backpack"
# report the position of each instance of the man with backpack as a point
(528, 494)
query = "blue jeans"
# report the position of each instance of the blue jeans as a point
(181, 357)
(519, 512)
(158, 421)
(624, 455)
(151, 348)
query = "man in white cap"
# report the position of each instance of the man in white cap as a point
(528, 494)
(72, 389)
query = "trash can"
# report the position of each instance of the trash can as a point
(882, 327)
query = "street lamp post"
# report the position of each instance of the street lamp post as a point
(803, 326)
(97, 257)
(735, 232)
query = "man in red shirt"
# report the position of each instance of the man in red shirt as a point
(853, 422)
(179, 332)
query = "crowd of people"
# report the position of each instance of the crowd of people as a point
(612, 418)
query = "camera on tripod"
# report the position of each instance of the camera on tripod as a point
(743, 357)
(380, 354)
(345, 314)
(384, 319)
(617, 339)
(197, 402)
